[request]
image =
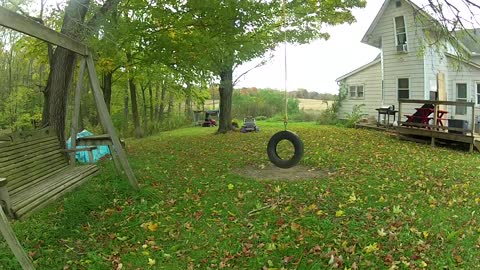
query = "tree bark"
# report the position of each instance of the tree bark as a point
(107, 88)
(162, 101)
(150, 93)
(226, 91)
(133, 96)
(170, 103)
(125, 109)
(145, 118)
(61, 71)
(136, 119)
(188, 101)
(157, 102)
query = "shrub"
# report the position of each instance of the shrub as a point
(330, 115)
(303, 116)
(355, 116)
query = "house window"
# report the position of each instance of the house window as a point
(461, 96)
(478, 93)
(403, 88)
(400, 31)
(356, 91)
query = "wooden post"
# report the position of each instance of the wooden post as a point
(76, 111)
(399, 113)
(5, 200)
(107, 121)
(473, 120)
(435, 117)
(10, 237)
(115, 159)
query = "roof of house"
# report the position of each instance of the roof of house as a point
(384, 7)
(375, 61)
(470, 38)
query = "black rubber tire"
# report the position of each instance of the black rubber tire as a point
(272, 149)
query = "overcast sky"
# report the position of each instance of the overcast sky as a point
(315, 66)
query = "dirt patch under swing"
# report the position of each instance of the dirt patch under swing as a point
(270, 172)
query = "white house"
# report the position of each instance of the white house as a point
(407, 67)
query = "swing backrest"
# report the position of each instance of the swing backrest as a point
(28, 157)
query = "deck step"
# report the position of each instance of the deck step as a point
(476, 142)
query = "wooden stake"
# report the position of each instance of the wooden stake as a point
(107, 121)
(76, 111)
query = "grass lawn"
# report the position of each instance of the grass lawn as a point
(385, 203)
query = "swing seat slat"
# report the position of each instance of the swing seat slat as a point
(35, 171)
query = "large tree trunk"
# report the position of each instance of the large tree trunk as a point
(226, 91)
(62, 62)
(107, 88)
(61, 70)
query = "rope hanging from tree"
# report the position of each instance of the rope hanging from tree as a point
(293, 138)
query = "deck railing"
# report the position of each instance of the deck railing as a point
(435, 121)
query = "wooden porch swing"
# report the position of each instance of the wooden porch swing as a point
(33, 169)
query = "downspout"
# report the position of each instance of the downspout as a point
(383, 75)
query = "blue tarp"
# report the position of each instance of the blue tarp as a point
(82, 156)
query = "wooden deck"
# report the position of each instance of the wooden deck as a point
(427, 136)
(433, 135)
(429, 122)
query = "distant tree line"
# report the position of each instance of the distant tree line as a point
(299, 93)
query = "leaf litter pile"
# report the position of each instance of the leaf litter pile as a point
(374, 203)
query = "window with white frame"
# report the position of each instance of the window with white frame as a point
(356, 91)
(461, 90)
(478, 93)
(403, 87)
(400, 31)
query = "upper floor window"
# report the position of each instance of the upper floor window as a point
(356, 92)
(403, 88)
(461, 96)
(400, 31)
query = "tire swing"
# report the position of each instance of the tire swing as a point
(293, 138)
(272, 149)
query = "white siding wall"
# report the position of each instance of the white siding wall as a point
(370, 78)
(401, 65)
(462, 74)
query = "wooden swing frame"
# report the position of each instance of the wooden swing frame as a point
(29, 27)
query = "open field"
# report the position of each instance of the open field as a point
(381, 203)
(312, 105)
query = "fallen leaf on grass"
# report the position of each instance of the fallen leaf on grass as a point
(371, 248)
